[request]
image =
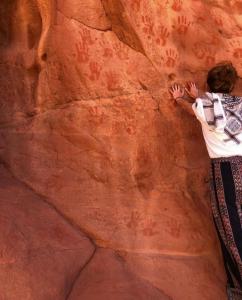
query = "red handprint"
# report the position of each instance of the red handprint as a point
(135, 220)
(149, 227)
(213, 39)
(135, 5)
(199, 50)
(82, 52)
(174, 228)
(86, 36)
(121, 50)
(107, 52)
(177, 5)
(171, 57)
(237, 53)
(98, 116)
(162, 5)
(218, 19)
(112, 80)
(182, 24)
(95, 70)
(149, 25)
(236, 48)
(204, 52)
(163, 34)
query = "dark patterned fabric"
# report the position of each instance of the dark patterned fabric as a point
(226, 200)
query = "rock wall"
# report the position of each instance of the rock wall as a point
(87, 122)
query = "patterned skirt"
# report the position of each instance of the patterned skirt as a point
(226, 200)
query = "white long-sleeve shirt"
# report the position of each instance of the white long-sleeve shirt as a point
(214, 137)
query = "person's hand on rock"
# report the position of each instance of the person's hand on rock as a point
(192, 90)
(177, 92)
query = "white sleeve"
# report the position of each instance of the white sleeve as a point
(198, 109)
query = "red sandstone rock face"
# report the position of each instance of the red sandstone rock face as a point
(41, 254)
(87, 122)
(108, 277)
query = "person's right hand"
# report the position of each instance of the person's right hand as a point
(192, 90)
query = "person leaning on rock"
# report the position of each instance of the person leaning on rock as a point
(220, 115)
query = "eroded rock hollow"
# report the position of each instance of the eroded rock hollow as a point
(104, 179)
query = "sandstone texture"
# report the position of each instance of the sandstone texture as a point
(41, 254)
(110, 197)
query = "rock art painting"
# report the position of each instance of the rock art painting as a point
(104, 179)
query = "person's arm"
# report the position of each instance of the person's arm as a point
(186, 105)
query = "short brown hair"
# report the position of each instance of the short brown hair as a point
(222, 78)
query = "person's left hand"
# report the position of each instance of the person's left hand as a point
(177, 91)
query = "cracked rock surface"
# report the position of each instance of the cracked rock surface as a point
(41, 253)
(110, 196)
